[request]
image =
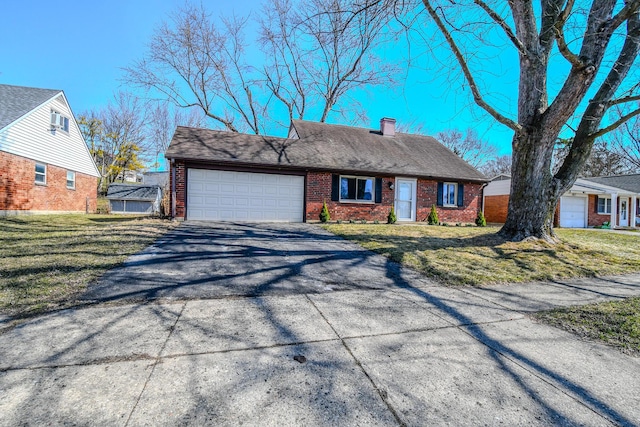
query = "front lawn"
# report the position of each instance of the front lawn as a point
(47, 260)
(477, 256)
(616, 323)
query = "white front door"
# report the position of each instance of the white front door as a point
(405, 199)
(623, 221)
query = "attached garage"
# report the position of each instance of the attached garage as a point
(218, 195)
(573, 212)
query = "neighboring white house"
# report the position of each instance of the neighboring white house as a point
(589, 202)
(45, 164)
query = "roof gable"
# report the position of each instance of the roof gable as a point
(321, 146)
(17, 101)
(30, 135)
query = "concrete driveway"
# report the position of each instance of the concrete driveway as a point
(287, 325)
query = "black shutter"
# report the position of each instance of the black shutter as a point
(335, 188)
(460, 195)
(378, 190)
(439, 201)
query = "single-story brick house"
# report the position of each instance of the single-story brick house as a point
(45, 164)
(139, 199)
(590, 202)
(360, 173)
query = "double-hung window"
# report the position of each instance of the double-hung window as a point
(71, 180)
(41, 173)
(449, 194)
(604, 205)
(59, 121)
(357, 189)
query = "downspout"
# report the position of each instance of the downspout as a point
(482, 190)
(173, 188)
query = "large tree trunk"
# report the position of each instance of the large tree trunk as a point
(534, 191)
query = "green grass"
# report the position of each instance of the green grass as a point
(48, 260)
(616, 323)
(478, 256)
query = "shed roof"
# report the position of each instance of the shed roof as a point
(16, 101)
(132, 192)
(320, 146)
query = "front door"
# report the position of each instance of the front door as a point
(624, 213)
(406, 199)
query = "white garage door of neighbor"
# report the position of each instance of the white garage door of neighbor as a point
(242, 196)
(573, 212)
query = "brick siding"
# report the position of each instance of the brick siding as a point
(595, 219)
(180, 188)
(495, 208)
(319, 190)
(19, 192)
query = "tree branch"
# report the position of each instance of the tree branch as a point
(623, 100)
(477, 97)
(613, 126)
(501, 22)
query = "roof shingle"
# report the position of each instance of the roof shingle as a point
(325, 147)
(16, 101)
(132, 192)
(629, 182)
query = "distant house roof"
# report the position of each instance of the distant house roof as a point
(16, 101)
(321, 146)
(132, 192)
(629, 182)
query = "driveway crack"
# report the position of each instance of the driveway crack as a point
(155, 363)
(382, 393)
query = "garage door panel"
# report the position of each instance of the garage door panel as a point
(244, 196)
(573, 212)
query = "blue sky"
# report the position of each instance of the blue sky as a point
(80, 47)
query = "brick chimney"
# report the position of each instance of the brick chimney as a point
(388, 126)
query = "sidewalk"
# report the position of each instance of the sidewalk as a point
(418, 354)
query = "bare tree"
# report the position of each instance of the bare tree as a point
(498, 166)
(315, 53)
(469, 146)
(162, 121)
(116, 137)
(320, 50)
(599, 43)
(625, 141)
(194, 63)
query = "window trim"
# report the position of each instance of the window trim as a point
(609, 204)
(445, 202)
(43, 174)
(73, 186)
(357, 177)
(56, 118)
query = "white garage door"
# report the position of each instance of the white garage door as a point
(573, 212)
(242, 196)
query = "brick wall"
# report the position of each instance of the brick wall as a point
(319, 190)
(19, 192)
(495, 208)
(594, 218)
(181, 180)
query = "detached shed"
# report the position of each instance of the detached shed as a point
(134, 199)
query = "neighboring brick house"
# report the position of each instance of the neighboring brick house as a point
(45, 165)
(360, 174)
(590, 202)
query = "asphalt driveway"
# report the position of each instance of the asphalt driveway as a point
(213, 260)
(222, 324)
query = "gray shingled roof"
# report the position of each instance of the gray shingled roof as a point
(16, 101)
(132, 192)
(629, 182)
(325, 147)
